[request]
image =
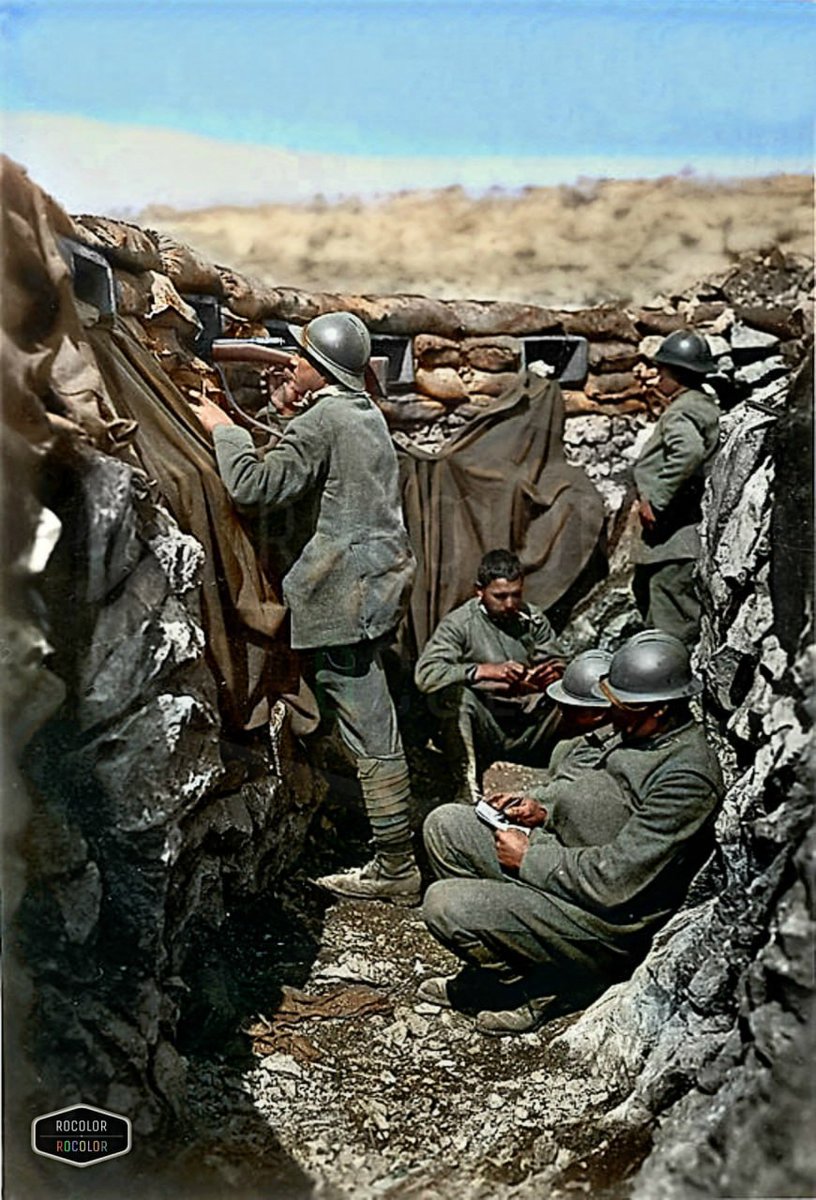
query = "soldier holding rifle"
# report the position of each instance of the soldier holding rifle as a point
(347, 588)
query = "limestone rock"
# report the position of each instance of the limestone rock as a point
(746, 341)
(589, 430)
(158, 763)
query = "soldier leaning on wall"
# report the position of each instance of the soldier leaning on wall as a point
(348, 587)
(669, 476)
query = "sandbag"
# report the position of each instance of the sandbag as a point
(614, 384)
(404, 414)
(477, 318)
(650, 320)
(442, 384)
(489, 383)
(607, 323)
(607, 357)
(188, 270)
(492, 354)
(431, 351)
(578, 403)
(122, 244)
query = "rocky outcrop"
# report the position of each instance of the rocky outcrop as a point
(709, 1039)
(145, 827)
(135, 817)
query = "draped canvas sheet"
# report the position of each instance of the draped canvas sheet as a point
(242, 613)
(501, 481)
(50, 381)
(101, 386)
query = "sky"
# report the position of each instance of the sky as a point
(712, 85)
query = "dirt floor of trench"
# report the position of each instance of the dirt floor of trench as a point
(402, 1100)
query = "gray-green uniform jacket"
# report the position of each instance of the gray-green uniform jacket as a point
(467, 637)
(351, 580)
(670, 786)
(585, 807)
(669, 474)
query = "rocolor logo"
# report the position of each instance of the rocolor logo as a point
(81, 1136)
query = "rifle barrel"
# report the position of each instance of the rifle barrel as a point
(250, 350)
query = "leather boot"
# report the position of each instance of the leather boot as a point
(392, 875)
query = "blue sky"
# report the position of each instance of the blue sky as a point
(387, 77)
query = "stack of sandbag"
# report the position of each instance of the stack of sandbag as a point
(472, 372)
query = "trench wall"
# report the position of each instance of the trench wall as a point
(136, 825)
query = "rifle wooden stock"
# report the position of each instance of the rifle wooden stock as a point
(225, 350)
(251, 350)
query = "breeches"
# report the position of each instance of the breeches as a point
(350, 685)
(473, 736)
(667, 599)
(485, 915)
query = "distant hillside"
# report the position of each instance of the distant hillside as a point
(581, 245)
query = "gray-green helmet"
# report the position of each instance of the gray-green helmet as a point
(649, 667)
(687, 349)
(577, 682)
(339, 342)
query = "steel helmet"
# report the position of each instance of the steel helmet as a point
(576, 684)
(649, 667)
(687, 349)
(339, 342)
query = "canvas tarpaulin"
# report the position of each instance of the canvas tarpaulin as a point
(243, 615)
(501, 481)
(50, 380)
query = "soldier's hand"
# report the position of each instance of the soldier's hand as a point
(284, 399)
(500, 800)
(646, 514)
(506, 672)
(511, 846)
(647, 374)
(210, 415)
(541, 676)
(524, 810)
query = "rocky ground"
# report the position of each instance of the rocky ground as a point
(410, 1100)
(398, 1097)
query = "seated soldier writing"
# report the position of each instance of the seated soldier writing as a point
(486, 669)
(546, 918)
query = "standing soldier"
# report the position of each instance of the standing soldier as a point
(669, 476)
(348, 586)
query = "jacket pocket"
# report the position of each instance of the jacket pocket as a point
(385, 564)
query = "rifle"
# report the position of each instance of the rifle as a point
(267, 351)
(271, 353)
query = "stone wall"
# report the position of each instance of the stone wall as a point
(145, 826)
(709, 1041)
